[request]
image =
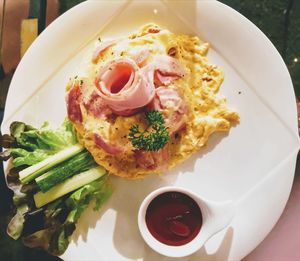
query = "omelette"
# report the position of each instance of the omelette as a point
(127, 79)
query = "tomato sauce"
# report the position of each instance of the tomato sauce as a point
(173, 218)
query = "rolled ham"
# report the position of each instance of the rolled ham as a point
(124, 86)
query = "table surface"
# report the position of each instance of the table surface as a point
(278, 19)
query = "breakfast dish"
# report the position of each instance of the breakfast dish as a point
(148, 101)
(264, 100)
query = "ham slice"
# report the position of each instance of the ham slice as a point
(91, 100)
(101, 48)
(173, 107)
(144, 159)
(163, 80)
(142, 57)
(154, 30)
(107, 147)
(162, 157)
(73, 100)
(167, 69)
(96, 106)
(153, 159)
(169, 98)
(124, 87)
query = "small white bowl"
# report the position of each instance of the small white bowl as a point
(215, 217)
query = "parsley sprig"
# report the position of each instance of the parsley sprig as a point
(156, 135)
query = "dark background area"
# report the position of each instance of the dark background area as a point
(278, 19)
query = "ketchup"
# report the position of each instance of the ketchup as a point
(173, 218)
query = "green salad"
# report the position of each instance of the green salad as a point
(54, 179)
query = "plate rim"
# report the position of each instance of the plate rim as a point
(292, 128)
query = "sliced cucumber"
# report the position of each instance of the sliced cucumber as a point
(79, 163)
(30, 173)
(67, 186)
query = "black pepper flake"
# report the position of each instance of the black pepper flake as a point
(99, 39)
(109, 164)
(116, 128)
(76, 77)
(81, 82)
(125, 136)
(122, 53)
(240, 92)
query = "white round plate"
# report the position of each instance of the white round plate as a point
(254, 164)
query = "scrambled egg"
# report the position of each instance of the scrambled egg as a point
(207, 110)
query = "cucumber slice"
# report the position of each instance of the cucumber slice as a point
(67, 186)
(30, 173)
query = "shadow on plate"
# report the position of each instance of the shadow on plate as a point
(202, 254)
(129, 195)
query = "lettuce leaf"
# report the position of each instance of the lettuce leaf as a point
(16, 225)
(60, 217)
(29, 145)
(24, 157)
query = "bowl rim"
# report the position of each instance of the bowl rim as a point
(182, 250)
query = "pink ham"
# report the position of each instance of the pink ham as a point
(153, 159)
(96, 106)
(101, 48)
(169, 101)
(167, 69)
(125, 87)
(107, 147)
(176, 122)
(142, 57)
(73, 100)
(163, 80)
(154, 30)
(169, 97)
(144, 159)
(162, 157)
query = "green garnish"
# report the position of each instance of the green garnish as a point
(156, 135)
(54, 179)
